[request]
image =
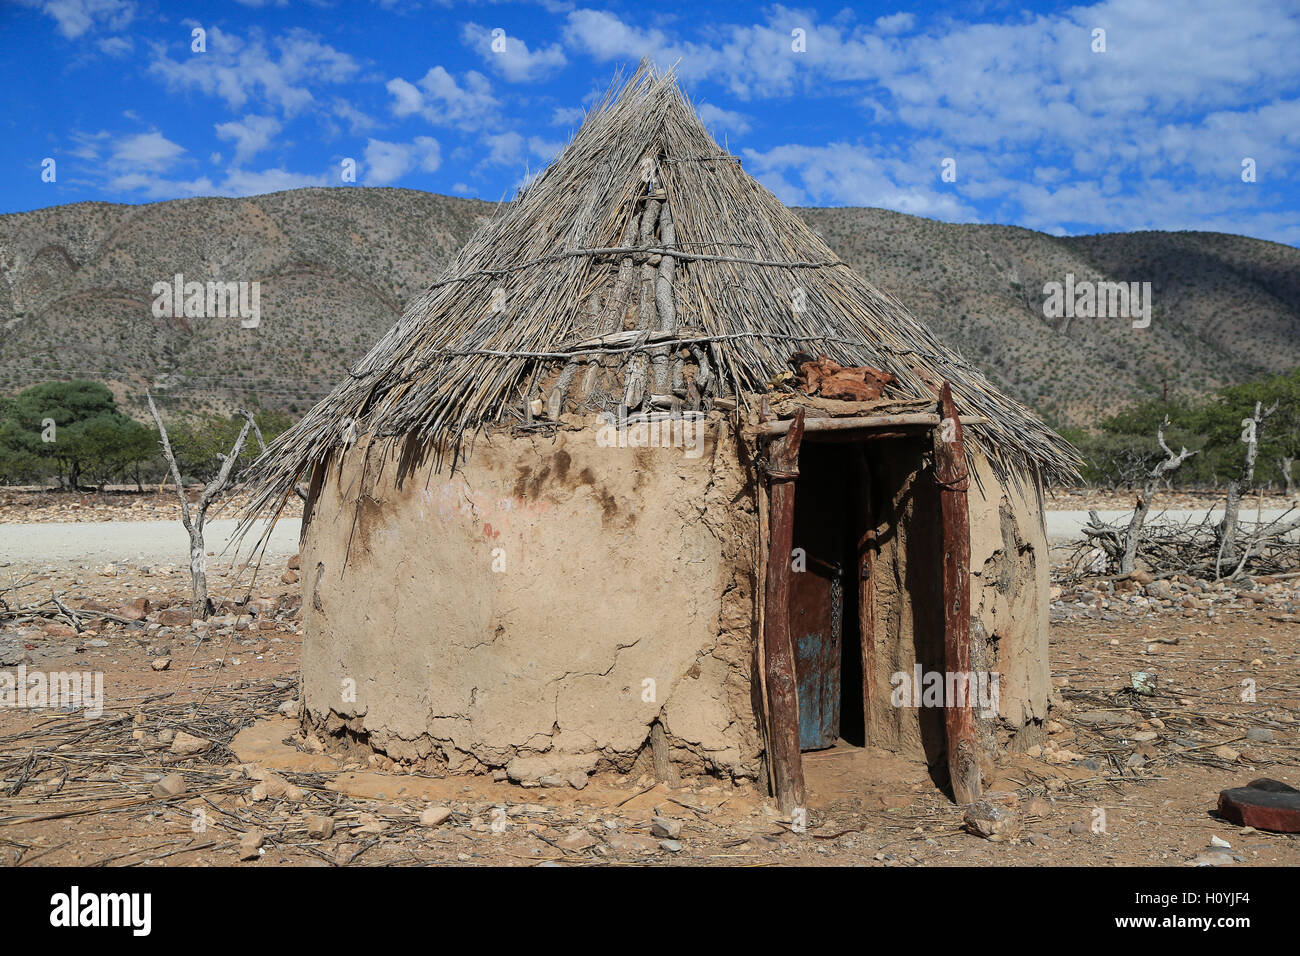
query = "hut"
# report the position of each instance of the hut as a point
(651, 478)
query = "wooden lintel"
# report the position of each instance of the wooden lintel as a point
(951, 474)
(864, 423)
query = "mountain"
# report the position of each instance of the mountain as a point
(336, 266)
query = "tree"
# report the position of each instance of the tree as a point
(194, 517)
(68, 429)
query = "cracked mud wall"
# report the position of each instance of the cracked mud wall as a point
(1009, 600)
(1010, 592)
(512, 613)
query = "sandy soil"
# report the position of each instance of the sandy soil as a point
(1136, 785)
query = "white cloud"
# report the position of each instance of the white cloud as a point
(388, 162)
(1181, 95)
(843, 174)
(237, 70)
(444, 102)
(604, 36)
(568, 116)
(544, 149)
(115, 46)
(358, 121)
(250, 135)
(75, 17)
(149, 151)
(895, 23)
(242, 182)
(510, 56)
(716, 118)
(504, 149)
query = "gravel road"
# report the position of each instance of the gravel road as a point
(139, 541)
(165, 541)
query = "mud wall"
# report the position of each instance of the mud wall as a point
(1009, 599)
(539, 608)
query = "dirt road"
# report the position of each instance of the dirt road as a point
(140, 541)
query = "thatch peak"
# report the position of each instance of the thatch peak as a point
(644, 268)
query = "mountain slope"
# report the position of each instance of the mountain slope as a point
(337, 265)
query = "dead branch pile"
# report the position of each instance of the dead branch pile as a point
(1167, 546)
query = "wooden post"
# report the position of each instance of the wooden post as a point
(867, 546)
(782, 689)
(953, 478)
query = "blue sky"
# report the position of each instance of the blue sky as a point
(1043, 130)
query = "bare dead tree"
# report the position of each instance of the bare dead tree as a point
(257, 432)
(1158, 474)
(1236, 486)
(1285, 463)
(193, 517)
(299, 489)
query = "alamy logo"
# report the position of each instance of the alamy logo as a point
(75, 690)
(619, 432)
(975, 689)
(210, 300)
(1098, 300)
(75, 909)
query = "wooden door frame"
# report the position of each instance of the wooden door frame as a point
(780, 687)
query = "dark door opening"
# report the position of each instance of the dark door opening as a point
(831, 514)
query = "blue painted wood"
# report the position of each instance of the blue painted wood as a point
(813, 630)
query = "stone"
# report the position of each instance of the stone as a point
(175, 616)
(553, 780)
(136, 610)
(1226, 753)
(188, 744)
(289, 577)
(172, 785)
(632, 843)
(295, 562)
(250, 845)
(1038, 807)
(577, 779)
(319, 826)
(434, 816)
(992, 821)
(577, 840)
(161, 663)
(1102, 718)
(1261, 735)
(291, 709)
(665, 829)
(672, 846)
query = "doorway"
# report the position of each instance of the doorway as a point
(832, 514)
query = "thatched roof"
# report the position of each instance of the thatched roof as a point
(643, 268)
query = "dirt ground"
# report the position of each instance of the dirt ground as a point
(1118, 777)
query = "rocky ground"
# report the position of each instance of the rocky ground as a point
(198, 758)
(43, 505)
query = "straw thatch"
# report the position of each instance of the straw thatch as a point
(643, 269)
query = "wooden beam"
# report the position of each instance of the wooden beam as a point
(922, 419)
(782, 688)
(953, 478)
